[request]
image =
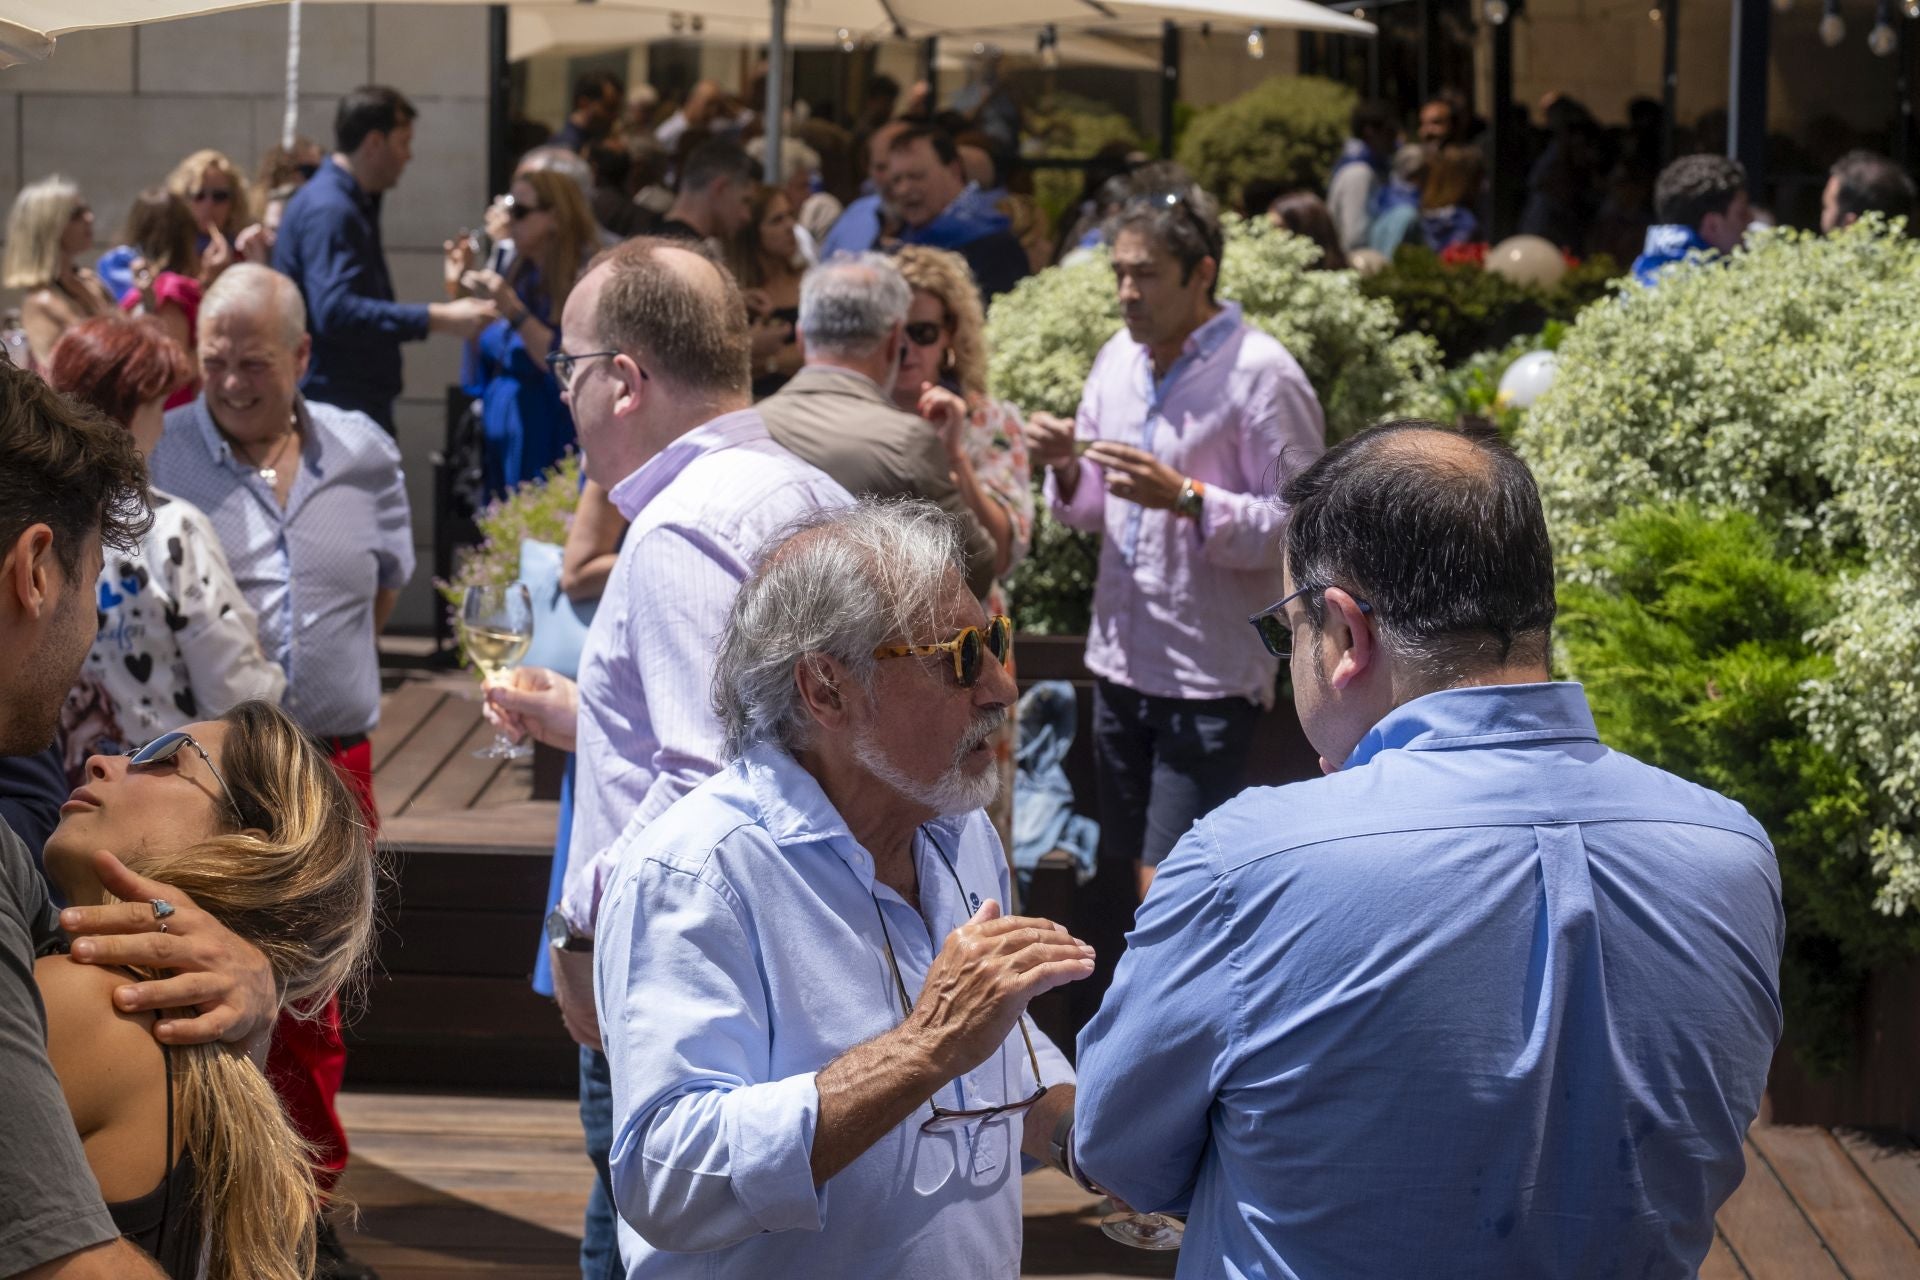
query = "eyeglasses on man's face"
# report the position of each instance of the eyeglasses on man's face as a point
(1276, 632)
(562, 365)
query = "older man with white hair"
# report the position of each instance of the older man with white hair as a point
(838, 411)
(311, 508)
(813, 1006)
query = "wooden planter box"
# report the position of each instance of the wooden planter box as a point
(1882, 1090)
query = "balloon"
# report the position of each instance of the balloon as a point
(1526, 378)
(1527, 260)
(1367, 261)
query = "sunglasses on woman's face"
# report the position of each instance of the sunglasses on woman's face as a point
(968, 649)
(925, 333)
(164, 748)
(516, 210)
(217, 196)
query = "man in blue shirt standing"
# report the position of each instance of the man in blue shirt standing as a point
(329, 243)
(1488, 1000)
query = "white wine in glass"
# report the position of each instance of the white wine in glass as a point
(497, 624)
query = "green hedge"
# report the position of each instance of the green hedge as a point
(1467, 310)
(1288, 130)
(540, 509)
(1066, 126)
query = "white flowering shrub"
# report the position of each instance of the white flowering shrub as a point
(1780, 382)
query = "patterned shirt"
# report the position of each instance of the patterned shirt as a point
(701, 510)
(312, 569)
(178, 641)
(1172, 595)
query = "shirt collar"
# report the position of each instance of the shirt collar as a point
(1487, 715)
(346, 182)
(315, 433)
(632, 495)
(857, 382)
(1209, 337)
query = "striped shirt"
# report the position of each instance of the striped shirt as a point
(311, 570)
(701, 510)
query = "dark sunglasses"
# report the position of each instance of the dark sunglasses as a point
(967, 648)
(168, 745)
(1271, 623)
(945, 1120)
(218, 197)
(925, 333)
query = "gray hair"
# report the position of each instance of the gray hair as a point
(848, 305)
(250, 289)
(796, 157)
(568, 164)
(837, 583)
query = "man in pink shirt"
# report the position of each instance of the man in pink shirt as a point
(1190, 420)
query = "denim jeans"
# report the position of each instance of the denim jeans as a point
(600, 1248)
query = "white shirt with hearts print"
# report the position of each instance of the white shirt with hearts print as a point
(178, 641)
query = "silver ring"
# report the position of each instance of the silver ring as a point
(163, 926)
(161, 910)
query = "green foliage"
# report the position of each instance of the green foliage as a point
(1470, 390)
(1288, 130)
(541, 510)
(1043, 336)
(1067, 126)
(1695, 653)
(1467, 309)
(1775, 383)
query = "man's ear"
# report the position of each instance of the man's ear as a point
(825, 689)
(1352, 635)
(633, 384)
(28, 580)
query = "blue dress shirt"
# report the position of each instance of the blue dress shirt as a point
(1492, 1001)
(313, 568)
(329, 243)
(739, 951)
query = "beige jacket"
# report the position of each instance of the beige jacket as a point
(839, 421)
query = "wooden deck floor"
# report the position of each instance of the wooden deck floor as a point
(456, 1187)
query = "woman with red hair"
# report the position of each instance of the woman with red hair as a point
(178, 641)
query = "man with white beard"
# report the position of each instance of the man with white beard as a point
(813, 1007)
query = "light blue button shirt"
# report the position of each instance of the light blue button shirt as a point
(739, 952)
(1492, 1001)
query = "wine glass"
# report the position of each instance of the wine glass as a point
(1155, 1231)
(497, 624)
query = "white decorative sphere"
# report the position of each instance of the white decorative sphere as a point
(1526, 378)
(1527, 260)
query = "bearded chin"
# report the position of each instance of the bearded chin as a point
(955, 792)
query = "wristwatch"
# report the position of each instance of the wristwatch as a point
(560, 934)
(1060, 1154)
(1192, 492)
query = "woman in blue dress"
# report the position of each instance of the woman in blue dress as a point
(527, 427)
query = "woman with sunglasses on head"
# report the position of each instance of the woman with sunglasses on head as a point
(50, 227)
(527, 426)
(213, 188)
(177, 639)
(193, 1154)
(764, 256)
(943, 378)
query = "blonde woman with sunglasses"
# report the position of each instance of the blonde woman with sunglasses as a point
(211, 185)
(50, 227)
(194, 1156)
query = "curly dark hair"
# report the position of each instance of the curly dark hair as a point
(1694, 186)
(67, 466)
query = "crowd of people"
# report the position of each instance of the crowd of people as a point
(1488, 999)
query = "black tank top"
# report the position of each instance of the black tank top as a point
(166, 1221)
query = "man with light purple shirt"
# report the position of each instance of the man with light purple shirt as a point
(656, 366)
(1189, 420)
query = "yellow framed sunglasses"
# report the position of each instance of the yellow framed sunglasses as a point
(967, 648)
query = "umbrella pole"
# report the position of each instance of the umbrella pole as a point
(1169, 84)
(290, 121)
(776, 91)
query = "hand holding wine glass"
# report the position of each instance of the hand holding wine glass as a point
(497, 625)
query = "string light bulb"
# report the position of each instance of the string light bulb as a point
(1049, 47)
(1833, 28)
(1782, 6)
(845, 37)
(1912, 9)
(1256, 44)
(1882, 40)
(676, 22)
(1653, 15)
(1498, 11)
(698, 23)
